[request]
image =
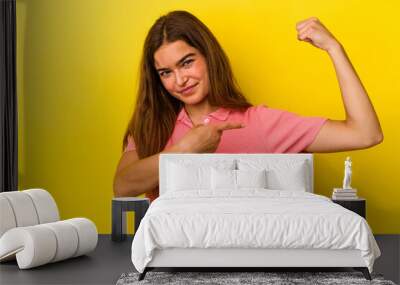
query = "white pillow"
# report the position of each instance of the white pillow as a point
(193, 174)
(236, 179)
(288, 179)
(251, 178)
(282, 174)
(223, 179)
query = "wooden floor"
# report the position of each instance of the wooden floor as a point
(111, 259)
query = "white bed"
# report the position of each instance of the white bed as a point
(201, 219)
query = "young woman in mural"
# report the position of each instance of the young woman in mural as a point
(188, 101)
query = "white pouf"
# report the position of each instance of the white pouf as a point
(31, 233)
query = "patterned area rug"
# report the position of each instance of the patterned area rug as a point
(230, 278)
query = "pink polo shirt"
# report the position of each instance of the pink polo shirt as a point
(266, 130)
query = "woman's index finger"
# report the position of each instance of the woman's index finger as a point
(229, 126)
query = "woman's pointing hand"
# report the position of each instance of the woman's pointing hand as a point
(205, 138)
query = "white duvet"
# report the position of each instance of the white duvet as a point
(250, 218)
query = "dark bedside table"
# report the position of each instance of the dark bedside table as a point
(357, 205)
(119, 207)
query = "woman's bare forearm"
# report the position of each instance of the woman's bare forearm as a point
(141, 176)
(359, 110)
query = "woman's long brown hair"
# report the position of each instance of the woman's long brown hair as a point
(156, 110)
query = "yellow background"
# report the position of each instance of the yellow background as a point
(77, 77)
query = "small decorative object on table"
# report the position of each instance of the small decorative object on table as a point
(347, 196)
(121, 205)
(347, 192)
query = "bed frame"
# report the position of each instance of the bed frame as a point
(239, 259)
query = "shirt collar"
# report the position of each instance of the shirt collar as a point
(219, 114)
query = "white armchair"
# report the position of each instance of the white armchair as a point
(31, 231)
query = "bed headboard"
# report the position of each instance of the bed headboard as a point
(165, 158)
